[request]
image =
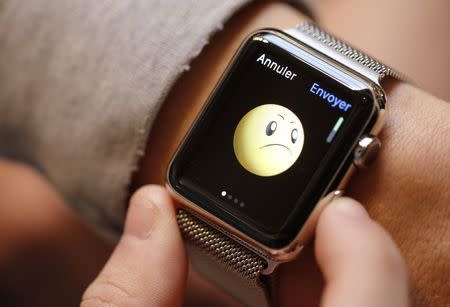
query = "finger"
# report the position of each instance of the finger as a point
(148, 266)
(361, 264)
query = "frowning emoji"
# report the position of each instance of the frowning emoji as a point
(268, 140)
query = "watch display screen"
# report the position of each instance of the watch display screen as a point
(272, 139)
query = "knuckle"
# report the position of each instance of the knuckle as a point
(106, 292)
(144, 192)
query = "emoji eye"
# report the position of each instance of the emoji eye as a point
(271, 127)
(294, 136)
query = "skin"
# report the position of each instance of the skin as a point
(43, 243)
(406, 190)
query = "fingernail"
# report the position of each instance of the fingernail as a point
(143, 213)
(349, 207)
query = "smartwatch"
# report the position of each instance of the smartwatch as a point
(296, 112)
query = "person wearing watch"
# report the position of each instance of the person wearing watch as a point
(396, 114)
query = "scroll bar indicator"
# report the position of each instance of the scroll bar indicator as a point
(335, 129)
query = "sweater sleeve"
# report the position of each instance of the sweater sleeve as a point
(82, 82)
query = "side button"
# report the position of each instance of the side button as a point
(366, 151)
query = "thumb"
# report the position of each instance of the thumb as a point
(148, 266)
(361, 264)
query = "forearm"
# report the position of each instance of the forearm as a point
(406, 189)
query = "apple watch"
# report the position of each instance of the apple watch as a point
(294, 114)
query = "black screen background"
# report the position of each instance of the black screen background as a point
(210, 165)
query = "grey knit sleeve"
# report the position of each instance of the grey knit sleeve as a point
(82, 81)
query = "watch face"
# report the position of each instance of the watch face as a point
(273, 139)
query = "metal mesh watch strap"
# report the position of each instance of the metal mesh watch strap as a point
(229, 264)
(342, 52)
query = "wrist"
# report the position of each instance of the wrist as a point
(406, 189)
(411, 164)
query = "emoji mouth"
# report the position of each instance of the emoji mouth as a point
(276, 144)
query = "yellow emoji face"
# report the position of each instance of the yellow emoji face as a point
(268, 140)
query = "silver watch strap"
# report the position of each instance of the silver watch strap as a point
(221, 259)
(367, 66)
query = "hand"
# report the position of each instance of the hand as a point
(148, 266)
(361, 264)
